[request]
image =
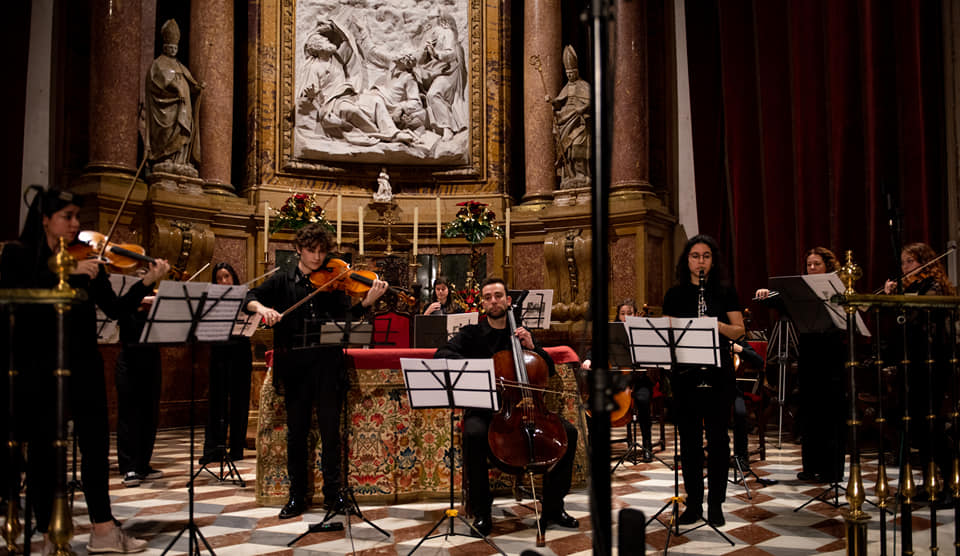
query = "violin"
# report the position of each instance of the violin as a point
(119, 256)
(355, 283)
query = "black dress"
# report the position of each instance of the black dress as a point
(698, 409)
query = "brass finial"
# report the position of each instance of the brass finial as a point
(62, 264)
(849, 273)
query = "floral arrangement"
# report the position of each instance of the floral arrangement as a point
(297, 211)
(469, 299)
(474, 222)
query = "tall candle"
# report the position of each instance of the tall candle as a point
(416, 224)
(438, 221)
(266, 230)
(360, 223)
(508, 232)
(339, 219)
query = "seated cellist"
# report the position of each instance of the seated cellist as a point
(482, 341)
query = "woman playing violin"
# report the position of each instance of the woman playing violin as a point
(54, 215)
(929, 280)
(481, 341)
(308, 374)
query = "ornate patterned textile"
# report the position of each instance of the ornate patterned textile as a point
(396, 453)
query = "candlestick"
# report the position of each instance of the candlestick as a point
(416, 224)
(438, 221)
(339, 220)
(507, 250)
(360, 223)
(266, 230)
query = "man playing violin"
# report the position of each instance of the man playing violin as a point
(306, 373)
(480, 341)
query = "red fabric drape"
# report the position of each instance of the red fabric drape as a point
(805, 114)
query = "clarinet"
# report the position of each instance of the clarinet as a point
(702, 300)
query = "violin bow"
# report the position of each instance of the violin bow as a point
(197, 273)
(314, 292)
(264, 275)
(116, 219)
(921, 267)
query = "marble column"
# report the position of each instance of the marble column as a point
(114, 86)
(211, 61)
(630, 160)
(542, 67)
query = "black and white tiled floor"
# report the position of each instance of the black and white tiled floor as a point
(232, 522)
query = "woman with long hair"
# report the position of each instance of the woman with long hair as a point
(703, 395)
(54, 215)
(231, 367)
(443, 302)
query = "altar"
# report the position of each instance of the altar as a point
(397, 454)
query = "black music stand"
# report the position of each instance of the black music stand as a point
(343, 334)
(451, 384)
(192, 313)
(666, 342)
(535, 308)
(620, 354)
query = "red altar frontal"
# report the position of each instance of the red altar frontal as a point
(396, 453)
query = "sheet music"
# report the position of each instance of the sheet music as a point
(826, 286)
(456, 321)
(536, 310)
(219, 312)
(169, 318)
(696, 341)
(107, 330)
(245, 325)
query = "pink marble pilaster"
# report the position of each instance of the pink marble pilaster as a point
(211, 62)
(630, 161)
(114, 85)
(541, 41)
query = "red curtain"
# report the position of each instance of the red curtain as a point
(806, 115)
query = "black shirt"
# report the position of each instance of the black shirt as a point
(682, 301)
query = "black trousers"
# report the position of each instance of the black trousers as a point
(823, 410)
(699, 410)
(88, 405)
(476, 452)
(230, 370)
(138, 379)
(642, 394)
(316, 383)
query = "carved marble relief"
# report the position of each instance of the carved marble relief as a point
(569, 274)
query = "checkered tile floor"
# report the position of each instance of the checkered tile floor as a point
(234, 525)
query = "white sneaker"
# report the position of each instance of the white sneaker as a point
(132, 479)
(115, 541)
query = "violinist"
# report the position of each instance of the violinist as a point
(231, 367)
(821, 357)
(929, 280)
(696, 407)
(480, 341)
(53, 215)
(138, 378)
(308, 375)
(443, 303)
(641, 384)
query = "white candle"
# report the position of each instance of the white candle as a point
(266, 230)
(339, 220)
(416, 223)
(360, 223)
(507, 234)
(438, 221)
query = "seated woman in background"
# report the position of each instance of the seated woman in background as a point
(443, 303)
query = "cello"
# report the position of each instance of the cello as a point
(524, 435)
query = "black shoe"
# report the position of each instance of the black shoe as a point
(647, 455)
(482, 524)
(809, 477)
(293, 508)
(561, 518)
(715, 517)
(690, 516)
(334, 503)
